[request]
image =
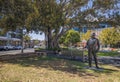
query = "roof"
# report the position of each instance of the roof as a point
(6, 38)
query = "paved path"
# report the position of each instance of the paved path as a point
(109, 57)
(110, 60)
(15, 51)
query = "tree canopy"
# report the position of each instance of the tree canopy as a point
(15, 13)
(56, 17)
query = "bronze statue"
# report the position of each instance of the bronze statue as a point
(93, 47)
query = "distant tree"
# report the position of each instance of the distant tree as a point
(110, 36)
(86, 36)
(71, 37)
(36, 42)
(27, 38)
(1, 33)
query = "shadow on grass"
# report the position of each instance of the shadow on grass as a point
(105, 70)
(53, 63)
(117, 67)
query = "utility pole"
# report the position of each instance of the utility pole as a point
(22, 41)
(23, 32)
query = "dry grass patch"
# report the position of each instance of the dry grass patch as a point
(48, 69)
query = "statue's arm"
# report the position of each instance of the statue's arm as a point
(86, 44)
(98, 43)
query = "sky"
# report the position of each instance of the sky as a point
(35, 36)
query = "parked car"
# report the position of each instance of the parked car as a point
(8, 47)
(1, 47)
(36, 46)
(18, 47)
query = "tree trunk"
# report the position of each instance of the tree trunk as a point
(46, 40)
(55, 44)
(49, 38)
(53, 41)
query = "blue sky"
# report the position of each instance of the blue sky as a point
(35, 36)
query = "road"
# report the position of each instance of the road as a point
(16, 51)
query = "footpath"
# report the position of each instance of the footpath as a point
(110, 60)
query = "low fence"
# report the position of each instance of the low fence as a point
(71, 54)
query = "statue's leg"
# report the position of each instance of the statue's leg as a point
(95, 59)
(90, 57)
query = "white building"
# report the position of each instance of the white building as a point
(10, 38)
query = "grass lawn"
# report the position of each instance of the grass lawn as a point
(48, 69)
(111, 53)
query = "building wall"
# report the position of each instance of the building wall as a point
(10, 38)
(96, 30)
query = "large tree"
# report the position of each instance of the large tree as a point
(56, 17)
(108, 11)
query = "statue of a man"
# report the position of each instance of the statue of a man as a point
(93, 47)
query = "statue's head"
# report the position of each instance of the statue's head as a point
(93, 35)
